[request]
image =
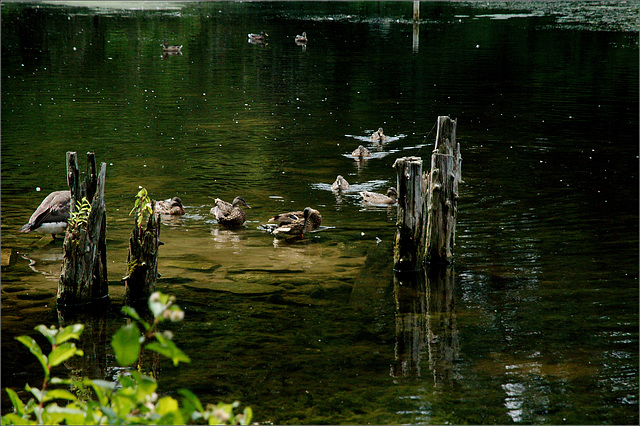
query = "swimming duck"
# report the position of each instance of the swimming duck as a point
(51, 216)
(170, 49)
(295, 224)
(230, 214)
(340, 184)
(361, 152)
(375, 198)
(172, 206)
(314, 218)
(301, 38)
(378, 136)
(257, 37)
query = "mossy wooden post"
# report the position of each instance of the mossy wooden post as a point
(142, 270)
(83, 277)
(409, 247)
(442, 204)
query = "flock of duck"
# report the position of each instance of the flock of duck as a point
(52, 215)
(254, 38)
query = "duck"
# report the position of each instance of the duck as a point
(231, 215)
(375, 198)
(172, 206)
(314, 218)
(378, 136)
(301, 38)
(361, 152)
(170, 49)
(340, 184)
(257, 37)
(51, 216)
(295, 224)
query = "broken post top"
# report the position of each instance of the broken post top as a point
(446, 136)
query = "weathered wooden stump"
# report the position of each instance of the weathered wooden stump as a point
(442, 204)
(142, 261)
(83, 277)
(412, 185)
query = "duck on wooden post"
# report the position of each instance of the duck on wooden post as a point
(375, 198)
(51, 216)
(231, 215)
(172, 206)
(340, 184)
(296, 224)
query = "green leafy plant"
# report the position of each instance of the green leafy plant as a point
(80, 216)
(134, 398)
(141, 206)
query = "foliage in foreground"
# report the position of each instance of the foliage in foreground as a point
(133, 399)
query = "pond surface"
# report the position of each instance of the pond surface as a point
(536, 322)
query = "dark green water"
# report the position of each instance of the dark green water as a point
(536, 323)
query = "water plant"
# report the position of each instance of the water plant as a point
(141, 207)
(134, 398)
(79, 217)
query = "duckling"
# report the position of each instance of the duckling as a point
(375, 198)
(361, 152)
(301, 225)
(340, 184)
(378, 136)
(171, 49)
(171, 206)
(231, 215)
(314, 218)
(51, 216)
(301, 38)
(257, 37)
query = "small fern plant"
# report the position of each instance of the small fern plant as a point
(141, 207)
(79, 218)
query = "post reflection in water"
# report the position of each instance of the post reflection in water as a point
(425, 318)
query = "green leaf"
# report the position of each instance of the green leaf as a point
(59, 394)
(54, 414)
(248, 415)
(63, 352)
(18, 406)
(14, 419)
(70, 332)
(37, 351)
(169, 349)
(166, 405)
(128, 310)
(191, 398)
(59, 381)
(126, 344)
(37, 393)
(49, 333)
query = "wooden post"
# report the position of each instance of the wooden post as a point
(409, 247)
(83, 278)
(416, 26)
(142, 260)
(442, 205)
